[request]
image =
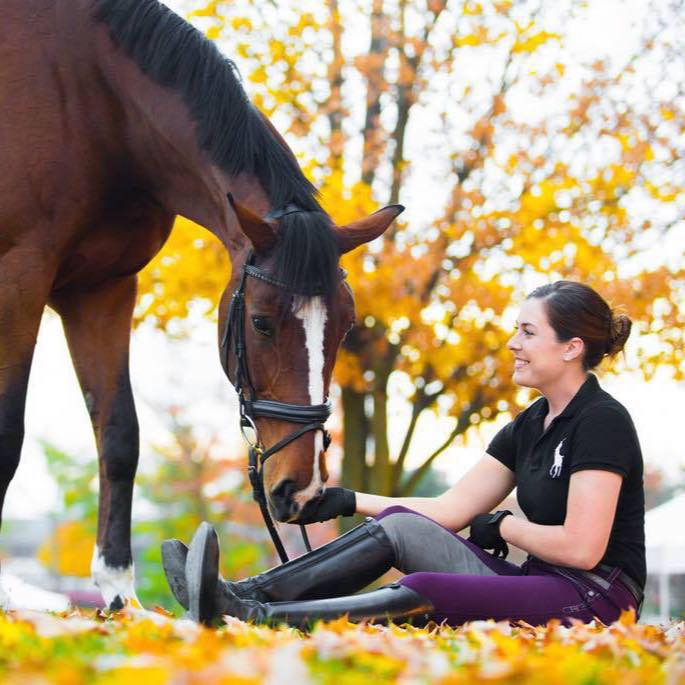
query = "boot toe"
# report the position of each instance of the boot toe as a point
(174, 554)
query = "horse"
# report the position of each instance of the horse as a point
(118, 116)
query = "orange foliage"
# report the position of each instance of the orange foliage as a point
(518, 198)
(69, 550)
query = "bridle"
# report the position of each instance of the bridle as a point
(310, 417)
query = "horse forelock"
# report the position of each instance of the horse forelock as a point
(306, 254)
(232, 132)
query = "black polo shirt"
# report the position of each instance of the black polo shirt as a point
(594, 431)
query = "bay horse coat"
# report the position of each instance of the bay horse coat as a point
(117, 116)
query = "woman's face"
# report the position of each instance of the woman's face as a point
(539, 358)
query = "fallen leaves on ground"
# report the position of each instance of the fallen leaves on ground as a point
(151, 647)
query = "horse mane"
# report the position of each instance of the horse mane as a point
(174, 54)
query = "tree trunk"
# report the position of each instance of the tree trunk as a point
(381, 474)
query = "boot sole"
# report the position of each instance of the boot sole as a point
(174, 555)
(202, 574)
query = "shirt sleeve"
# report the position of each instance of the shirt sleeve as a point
(605, 439)
(503, 447)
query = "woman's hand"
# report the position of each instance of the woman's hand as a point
(485, 532)
(335, 502)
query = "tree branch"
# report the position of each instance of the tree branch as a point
(422, 402)
(463, 422)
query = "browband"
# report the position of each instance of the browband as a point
(256, 272)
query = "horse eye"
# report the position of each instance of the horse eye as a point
(262, 324)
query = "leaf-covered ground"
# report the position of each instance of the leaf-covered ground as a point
(151, 647)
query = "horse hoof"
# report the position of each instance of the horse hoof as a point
(202, 574)
(174, 554)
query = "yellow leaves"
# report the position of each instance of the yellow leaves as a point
(472, 9)
(348, 372)
(530, 43)
(69, 550)
(241, 24)
(259, 75)
(502, 6)
(471, 40)
(146, 636)
(346, 203)
(305, 21)
(542, 198)
(192, 265)
(612, 182)
(137, 675)
(663, 194)
(209, 10)
(137, 647)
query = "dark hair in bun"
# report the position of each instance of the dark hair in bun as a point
(576, 310)
(620, 330)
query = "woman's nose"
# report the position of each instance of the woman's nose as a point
(513, 343)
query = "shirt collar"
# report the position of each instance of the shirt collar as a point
(586, 391)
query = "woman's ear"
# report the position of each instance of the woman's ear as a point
(574, 349)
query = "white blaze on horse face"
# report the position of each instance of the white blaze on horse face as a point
(113, 582)
(313, 315)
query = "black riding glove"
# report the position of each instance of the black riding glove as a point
(335, 502)
(485, 532)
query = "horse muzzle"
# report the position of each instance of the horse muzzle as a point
(283, 501)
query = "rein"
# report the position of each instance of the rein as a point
(312, 417)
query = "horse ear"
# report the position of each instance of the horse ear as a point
(262, 234)
(363, 231)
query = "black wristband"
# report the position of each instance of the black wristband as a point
(349, 502)
(497, 517)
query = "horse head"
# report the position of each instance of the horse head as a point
(282, 318)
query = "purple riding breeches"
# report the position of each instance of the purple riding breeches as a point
(493, 588)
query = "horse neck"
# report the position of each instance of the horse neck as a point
(162, 153)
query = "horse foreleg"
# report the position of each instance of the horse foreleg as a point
(24, 283)
(97, 325)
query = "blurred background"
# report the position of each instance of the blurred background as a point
(529, 142)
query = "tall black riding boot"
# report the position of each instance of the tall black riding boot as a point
(390, 602)
(340, 567)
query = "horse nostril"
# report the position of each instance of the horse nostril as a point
(282, 502)
(284, 490)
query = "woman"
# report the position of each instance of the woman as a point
(575, 458)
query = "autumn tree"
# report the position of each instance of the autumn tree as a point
(521, 159)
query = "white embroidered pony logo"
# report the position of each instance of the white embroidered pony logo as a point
(555, 469)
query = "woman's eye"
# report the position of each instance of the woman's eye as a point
(262, 324)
